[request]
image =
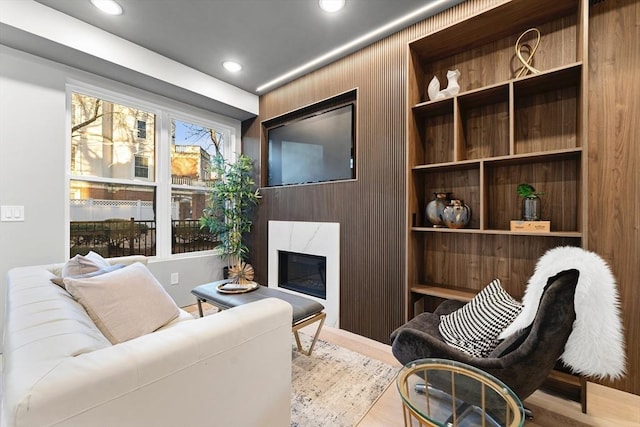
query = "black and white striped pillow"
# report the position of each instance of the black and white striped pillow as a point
(474, 328)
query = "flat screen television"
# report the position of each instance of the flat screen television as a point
(311, 149)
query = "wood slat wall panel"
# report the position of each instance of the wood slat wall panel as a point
(371, 210)
(614, 156)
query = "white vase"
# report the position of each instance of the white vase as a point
(452, 86)
(433, 88)
(434, 92)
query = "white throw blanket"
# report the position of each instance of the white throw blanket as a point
(595, 347)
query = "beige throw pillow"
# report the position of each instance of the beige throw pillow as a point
(83, 264)
(124, 304)
(60, 280)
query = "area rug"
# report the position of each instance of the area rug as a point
(335, 386)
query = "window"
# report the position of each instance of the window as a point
(142, 167)
(110, 214)
(192, 148)
(142, 129)
(117, 203)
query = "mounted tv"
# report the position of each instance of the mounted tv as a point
(313, 148)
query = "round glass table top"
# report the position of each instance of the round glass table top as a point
(446, 393)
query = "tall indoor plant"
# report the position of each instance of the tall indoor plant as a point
(228, 214)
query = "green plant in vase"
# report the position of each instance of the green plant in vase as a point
(228, 213)
(531, 203)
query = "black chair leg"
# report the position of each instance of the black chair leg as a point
(528, 414)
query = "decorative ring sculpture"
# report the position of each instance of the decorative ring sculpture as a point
(526, 64)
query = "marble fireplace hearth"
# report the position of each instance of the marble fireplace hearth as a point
(312, 238)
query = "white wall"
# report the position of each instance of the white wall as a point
(38, 29)
(32, 171)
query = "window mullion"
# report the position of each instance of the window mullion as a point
(163, 191)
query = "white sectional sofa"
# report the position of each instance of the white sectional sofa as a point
(228, 369)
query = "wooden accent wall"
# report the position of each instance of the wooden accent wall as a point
(371, 210)
(614, 160)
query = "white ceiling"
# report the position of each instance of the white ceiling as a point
(268, 37)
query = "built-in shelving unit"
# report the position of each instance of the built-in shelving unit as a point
(497, 132)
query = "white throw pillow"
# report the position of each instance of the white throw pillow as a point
(474, 328)
(60, 280)
(124, 304)
(83, 264)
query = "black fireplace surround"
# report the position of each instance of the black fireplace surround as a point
(303, 273)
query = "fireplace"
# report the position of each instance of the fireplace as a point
(312, 246)
(303, 273)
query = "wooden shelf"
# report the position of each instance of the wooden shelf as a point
(569, 234)
(434, 108)
(499, 131)
(557, 77)
(559, 154)
(496, 23)
(450, 166)
(441, 292)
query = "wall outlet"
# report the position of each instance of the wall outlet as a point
(175, 278)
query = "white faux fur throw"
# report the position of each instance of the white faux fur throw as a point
(595, 347)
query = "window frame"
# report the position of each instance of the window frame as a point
(165, 110)
(141, 131)
(143, 166)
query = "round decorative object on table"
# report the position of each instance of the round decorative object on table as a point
(435, 208)
(456, 214)
(241, 273)
(235, 288)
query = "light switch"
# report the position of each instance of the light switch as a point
(11, 213)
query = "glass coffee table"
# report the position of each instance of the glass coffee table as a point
(455, 395)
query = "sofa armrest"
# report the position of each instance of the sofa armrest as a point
(215, 367)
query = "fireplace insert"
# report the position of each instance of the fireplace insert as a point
(303, 273)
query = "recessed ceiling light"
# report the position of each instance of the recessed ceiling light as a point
(232, 66)
(331, 5)
(108, 6)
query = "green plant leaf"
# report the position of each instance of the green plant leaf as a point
(527, 191)
(231, 199)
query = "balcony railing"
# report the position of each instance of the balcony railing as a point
(121, 237)
(186, 236)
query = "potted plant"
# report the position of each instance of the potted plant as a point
(228, 214)
(530, 202)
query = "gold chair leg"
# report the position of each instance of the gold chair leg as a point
(318, 317)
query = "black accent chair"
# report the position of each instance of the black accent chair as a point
(522, 361)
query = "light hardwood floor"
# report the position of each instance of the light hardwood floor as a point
(606, 406)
